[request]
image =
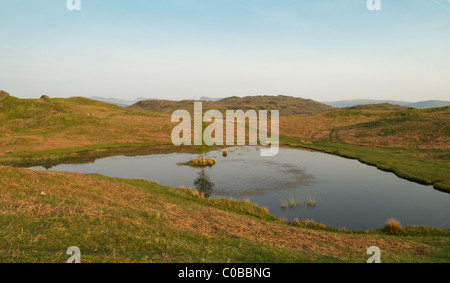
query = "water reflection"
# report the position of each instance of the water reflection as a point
(203, 183)
(307, 203)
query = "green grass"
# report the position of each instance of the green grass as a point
(242, 206)
(311, 224)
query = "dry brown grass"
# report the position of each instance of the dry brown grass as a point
(82, 123)
(394, 227)
(413, 129)
(317, 126)
(408, 140)
(54, 194)
(212, 223)
(98, 123)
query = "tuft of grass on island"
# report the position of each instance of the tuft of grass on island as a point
(199, 162)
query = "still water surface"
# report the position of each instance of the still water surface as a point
(342, 192)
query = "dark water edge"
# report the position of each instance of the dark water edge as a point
(89, 156)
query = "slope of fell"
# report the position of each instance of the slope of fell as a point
(414, 129)
(44, 124)
(285, 104)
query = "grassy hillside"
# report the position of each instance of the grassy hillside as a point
(118, 220)
(169, 106)
(285, 104)
(413, 129)
(28, 125)
(48, 131)
(381, 126)
(380, 106)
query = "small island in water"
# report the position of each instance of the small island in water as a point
(199, 162)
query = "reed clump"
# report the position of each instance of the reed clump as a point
(192, 192)
(308, 223)
(394, 227)
(308, 202)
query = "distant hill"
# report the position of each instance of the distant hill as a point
(337, 104)
(418, 105)
(285, 104)
(414, 128)
(380, 106)
(429, 104)
(53, 123)
(125, 103)
(169, 106)
(120, 102)
(204, 98)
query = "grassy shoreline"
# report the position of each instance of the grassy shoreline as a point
(84, 153)
(402, 162)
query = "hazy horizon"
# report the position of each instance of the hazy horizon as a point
(322, 50)
(94, 97)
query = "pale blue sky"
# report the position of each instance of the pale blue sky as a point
(180, 49)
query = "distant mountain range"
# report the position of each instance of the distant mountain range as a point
(418, 105)
(125, 103)
(338, 104)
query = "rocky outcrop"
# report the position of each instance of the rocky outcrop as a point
(3, 95)
(45, 97)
